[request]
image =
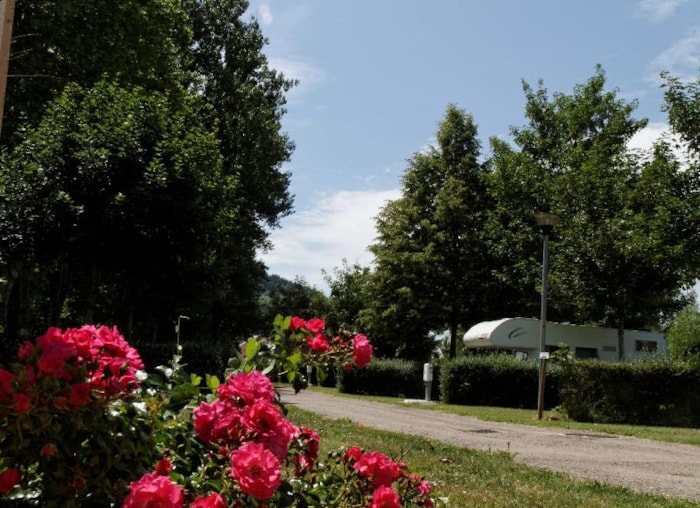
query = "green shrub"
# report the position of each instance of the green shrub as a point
(496, 380)
(390, 378)
(199, 357)
(648, 392)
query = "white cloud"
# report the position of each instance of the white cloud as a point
(305, 71)
(341, 226)
(265, 14)
(644, 140)
(658, 10)
(682, 59)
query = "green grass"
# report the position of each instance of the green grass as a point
(471, 478)
(529, 417)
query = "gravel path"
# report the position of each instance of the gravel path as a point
(639, 464)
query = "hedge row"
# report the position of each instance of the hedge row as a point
(389, 378)
(651, 392)
(654, 392)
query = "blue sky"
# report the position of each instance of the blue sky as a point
(377, 75)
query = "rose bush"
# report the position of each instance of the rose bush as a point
(82, 424)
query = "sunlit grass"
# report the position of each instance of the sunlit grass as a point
(529, 417)
(471, 478)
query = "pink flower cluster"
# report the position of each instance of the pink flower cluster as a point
(381, 474)
(67, 370)
(84, 362)
(318, 343)
(244, 424)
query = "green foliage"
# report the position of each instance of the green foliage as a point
(142, 170)
(390, 378)
(291, 298)
(494, 380)
(648, 392)
(430, 253)
(684, 335)
(622, 253)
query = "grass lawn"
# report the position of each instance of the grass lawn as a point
(471, 478)
(529, 417)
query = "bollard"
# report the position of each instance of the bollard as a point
(428, 380)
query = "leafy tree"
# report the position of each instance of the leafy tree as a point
(247, 99)
(430, 253)
(170, 50)
(684, 334)
(349, 296)
(619, 256)
(56, 43)
(119, 195)
(289, 298)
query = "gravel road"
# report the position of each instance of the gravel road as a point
(639, 464)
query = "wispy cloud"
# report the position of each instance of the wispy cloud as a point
(265, 14)
(658, 10)
(341, 226)
(682, 59)
(305, 71)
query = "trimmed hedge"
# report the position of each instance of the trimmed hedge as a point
(496, 380)
(389, 378)
(650, 392)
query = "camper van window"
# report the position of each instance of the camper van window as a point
(583, 353)
(646, 346)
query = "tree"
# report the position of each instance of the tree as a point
(349, 296)
(198, 58)
(684, 334)
(430, 252)
(119, 195)
(288, 298)
(620, 253)
(247, 99)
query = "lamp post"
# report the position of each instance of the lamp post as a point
(546, 221)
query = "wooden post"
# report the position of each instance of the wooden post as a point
(7, 14)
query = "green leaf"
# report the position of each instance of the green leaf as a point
(251, 348)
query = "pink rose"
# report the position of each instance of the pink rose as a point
(362, 350)
(266, 424)
(256, 469)
(319, 344)
(54, 357)
(352, 454)
(297, 323)
(25, 350)
(22, 403)
(79, 395)
(211, 501)
(218, 421)
(377, 467)
(6, 389)
(315, 325)
(49, 450)
(247, 386)
(153, 489)
(8, 480)
(164, 467)
(385, 497)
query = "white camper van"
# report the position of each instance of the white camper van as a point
(521, 336)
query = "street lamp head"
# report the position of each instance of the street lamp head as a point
(546, 221)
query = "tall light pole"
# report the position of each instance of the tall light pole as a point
(546, 221)
(7, 13)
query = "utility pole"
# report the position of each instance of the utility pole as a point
(7, 14)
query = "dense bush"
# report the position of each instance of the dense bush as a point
(390, 378)
(201, 357)
(495, 380)
(650, 392)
